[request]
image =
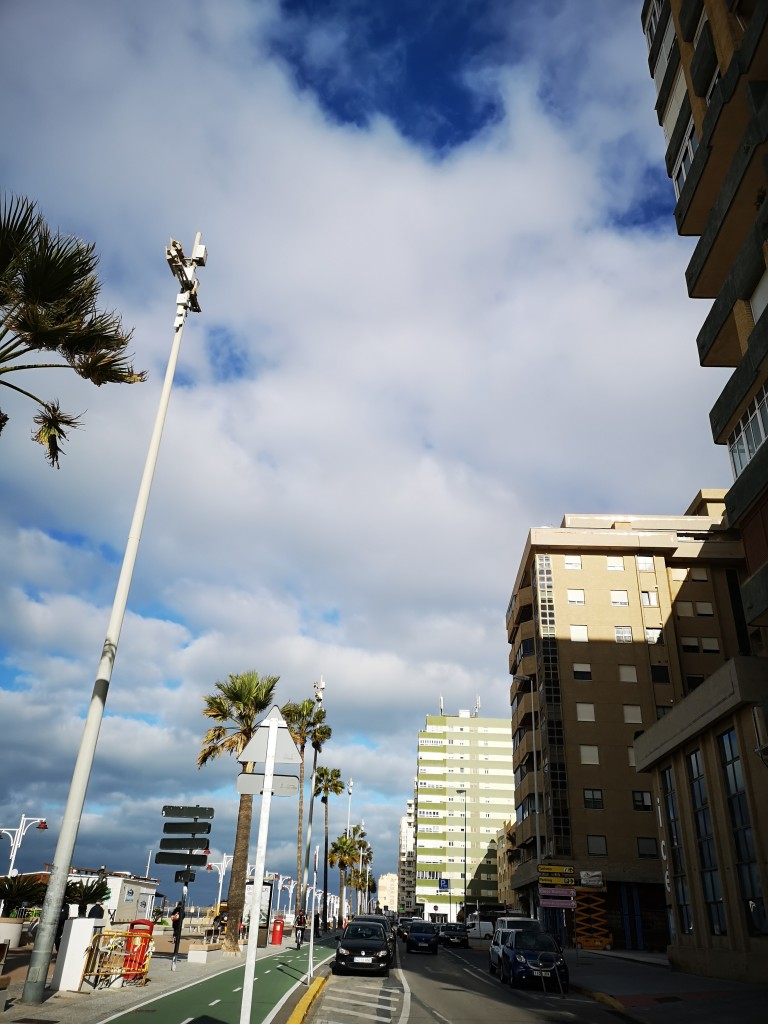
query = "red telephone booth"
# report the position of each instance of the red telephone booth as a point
(277, 931)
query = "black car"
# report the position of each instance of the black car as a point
(533, 957)
(388, 931)
(422, 937)
(454, 935)
(363, 946)
(403, 925)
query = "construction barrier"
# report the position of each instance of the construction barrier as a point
(118, 957)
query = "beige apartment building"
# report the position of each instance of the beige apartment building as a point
(464, 793)
(613, 620)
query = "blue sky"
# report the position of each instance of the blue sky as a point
(444, 302)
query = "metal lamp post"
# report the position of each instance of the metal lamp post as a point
(459, 792)
(529, 679)
(350, 784)
(16, 835)
(184, 269)
(220, 866)
(318, 688)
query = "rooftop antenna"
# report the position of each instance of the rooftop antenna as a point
(477, 706)
(441, 705)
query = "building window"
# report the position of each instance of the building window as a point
(627, 673)
(684, 609)
(597, 846)
(676, 854)
(710, 645)
(623, 634)
(645, 563)
(647, 846)
(620, 598)
(631, 757)
(579, 634)
(615, 563)
(589, 754)
(633, 714)
(652, 22)
(641, 799)
(662, 710)
(690, 644)
(743, 840)
(704, 608)
(698, 573)
(575, 597)
(705, 841)
(653, 635)
(582, 671)
(750, 433)
(573, 561)
(593, 799)
(685, 157)
(659, 673)
(585, 712)
(691, 682)
(649, 598)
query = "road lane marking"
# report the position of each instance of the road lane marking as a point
(214, 1002)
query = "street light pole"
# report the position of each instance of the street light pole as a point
(318, 687)
(16, 835)
(220, 866)
(459, 793)
(183, 269)
(350, 784)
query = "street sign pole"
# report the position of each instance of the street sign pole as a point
(273, 725)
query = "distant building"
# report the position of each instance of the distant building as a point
(386, 894)
(406, 862)
(464, 792)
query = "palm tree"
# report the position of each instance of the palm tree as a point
(343, 854)
(363, 859)
(328, 782)
(48, 294)
(306, 723)
(236, 707)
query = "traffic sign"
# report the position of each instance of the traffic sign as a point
(560, 893)
(252, 784)
(187, 812)
(187, 828)
(558, 904)
(190, 843)
(555, 869)
(188, 860)
(444, 884)
(556, 880)
(286, 751)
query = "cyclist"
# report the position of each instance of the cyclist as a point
(299, 924)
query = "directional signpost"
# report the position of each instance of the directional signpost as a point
(556, 886)
(190, 837)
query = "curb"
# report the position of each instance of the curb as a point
(301, 1009)
(606, 1000)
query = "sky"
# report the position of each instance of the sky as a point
(444, 303)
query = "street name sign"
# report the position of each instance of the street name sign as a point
(556, 880)
(252, 784)
(555, 869)
(171, 811)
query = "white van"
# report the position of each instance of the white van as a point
(519, 923)
(480, 930)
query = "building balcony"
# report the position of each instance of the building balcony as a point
(520, 607)
(525, 788)
(525, 750)
(523, 709)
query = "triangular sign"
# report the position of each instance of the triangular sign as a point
(286, 751)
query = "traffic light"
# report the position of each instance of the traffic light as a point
(190, 838)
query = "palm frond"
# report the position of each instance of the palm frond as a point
(52, 430)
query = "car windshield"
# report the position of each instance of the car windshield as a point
(534, 940)
(364, 931)
(422, 926)
(454, 927)
(501, 938)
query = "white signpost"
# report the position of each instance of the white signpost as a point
(272, 742)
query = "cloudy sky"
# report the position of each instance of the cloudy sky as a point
(444, 302)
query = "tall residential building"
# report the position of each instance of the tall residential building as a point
(406, 861)
(386, 891)
(709, 62)
(464, 793)
(612, 620)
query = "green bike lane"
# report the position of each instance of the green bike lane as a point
(218, 998)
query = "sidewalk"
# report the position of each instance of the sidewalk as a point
(642, 986)
(101, 1005)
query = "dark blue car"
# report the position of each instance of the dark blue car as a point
(535, 957)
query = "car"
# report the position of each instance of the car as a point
(388, 931)
(402, 927)
(500, 936)
(519, 921)
(529, 956)
(454, 935)
(422, 937)
(363, 946)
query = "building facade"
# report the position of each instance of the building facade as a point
(386, 891)
(406, 861)
(612, 621)
(464, 793)
(709, 62)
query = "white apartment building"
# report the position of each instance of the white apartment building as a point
(406, 862)
(386, 891)
(464, 794)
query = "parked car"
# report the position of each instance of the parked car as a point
(480, 929)
(422, 937)
(454, 935)
(500, 936)
(402, 927)
(363, 946)
(530, 956)
(388, 931)
(520, 922)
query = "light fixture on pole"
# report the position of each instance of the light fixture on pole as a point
(220, 866)
(459, 792)
(16, 835)
(318, 688)
(183, 269)
(350, 784)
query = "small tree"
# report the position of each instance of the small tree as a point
(17, 891)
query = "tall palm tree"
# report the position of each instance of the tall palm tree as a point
(235, 707)
(48, 294)
(343, 854)
(306, 724)
(328, 782)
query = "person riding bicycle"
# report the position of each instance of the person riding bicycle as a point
(299, 924)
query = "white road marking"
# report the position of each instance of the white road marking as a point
(214, 1002)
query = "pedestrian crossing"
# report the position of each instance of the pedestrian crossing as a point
(354, 1000)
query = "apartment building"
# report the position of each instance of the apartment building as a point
(464, 793)
(612, 621)
(406, 861)
(386, 891)
(709, 62)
